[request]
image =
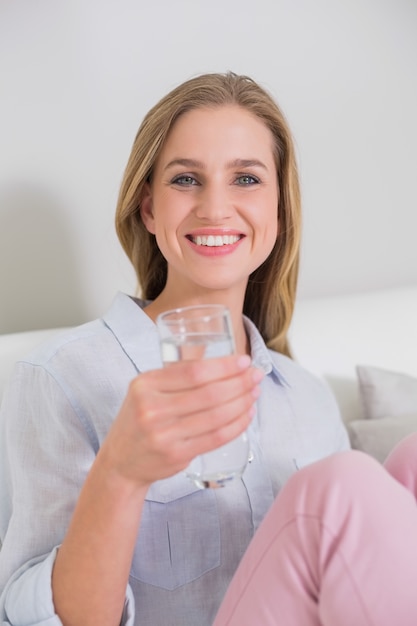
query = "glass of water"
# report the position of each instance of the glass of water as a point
(204, 332)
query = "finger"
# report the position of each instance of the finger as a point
(217, 394)
(191, 447)
(191, 374)
(160, 409)
(209, 420)
(176, 445)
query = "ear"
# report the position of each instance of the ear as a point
(146, 209)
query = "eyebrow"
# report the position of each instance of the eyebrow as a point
(194, 163)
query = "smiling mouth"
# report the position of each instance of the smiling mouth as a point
(214, 240)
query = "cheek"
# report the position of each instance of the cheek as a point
(166, 235)
(270, 232)
(271, 237)
(272, 221)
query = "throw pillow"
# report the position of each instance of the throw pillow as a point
(378, 437)
(386, 394)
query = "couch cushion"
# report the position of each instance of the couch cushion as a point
(384, 393)
(389, 401)
(378, 437)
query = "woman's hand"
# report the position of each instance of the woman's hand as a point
(173, 414)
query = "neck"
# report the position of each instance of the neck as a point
(166, 301)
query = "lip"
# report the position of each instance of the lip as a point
(214, 250)
(214, 231)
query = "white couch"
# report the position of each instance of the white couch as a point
(331, 336)
(376, 331)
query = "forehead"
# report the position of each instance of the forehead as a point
(228, 129)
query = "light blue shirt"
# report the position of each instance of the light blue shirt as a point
(58, 409)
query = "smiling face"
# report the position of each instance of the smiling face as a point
(213, 202)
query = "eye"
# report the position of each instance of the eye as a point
(185, 180)
(247, 179)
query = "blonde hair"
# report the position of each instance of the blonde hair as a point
(271, 289)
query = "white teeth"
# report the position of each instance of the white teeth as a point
(215, 240)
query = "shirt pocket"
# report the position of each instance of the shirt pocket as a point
(179, 535)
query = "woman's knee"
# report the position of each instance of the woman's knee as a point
(402, 463)
(343, 467)
(405, 452)
(337, 480)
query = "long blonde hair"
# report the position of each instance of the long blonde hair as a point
(271, 289)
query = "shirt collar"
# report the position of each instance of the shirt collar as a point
(138, 337)
(135, 331)
(261, 355)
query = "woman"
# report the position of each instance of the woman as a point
(99, 524)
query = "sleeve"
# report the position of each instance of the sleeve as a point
(45, 455)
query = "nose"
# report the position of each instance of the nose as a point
(214, 204)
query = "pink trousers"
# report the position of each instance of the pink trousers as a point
(337, 548)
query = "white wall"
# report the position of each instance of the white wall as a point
(77, 77)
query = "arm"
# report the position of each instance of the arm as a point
(168, 417)
(45, 455)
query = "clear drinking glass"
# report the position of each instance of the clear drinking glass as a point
(204, 332)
